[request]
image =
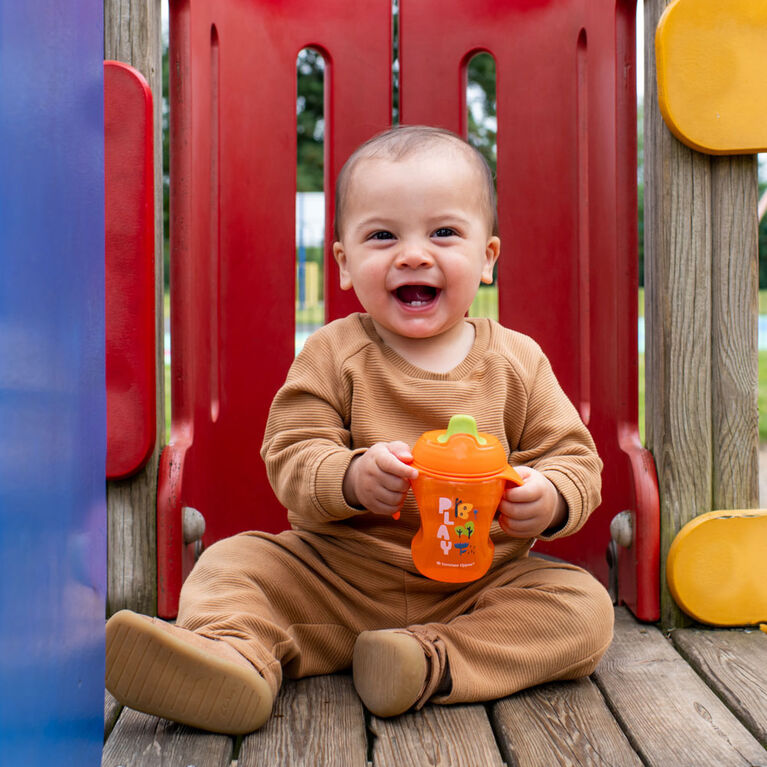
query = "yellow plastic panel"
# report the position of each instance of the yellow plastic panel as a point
(711, 60)
(717, 567)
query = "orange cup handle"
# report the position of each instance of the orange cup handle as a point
(510, 474)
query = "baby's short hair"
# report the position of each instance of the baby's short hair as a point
(401, 141)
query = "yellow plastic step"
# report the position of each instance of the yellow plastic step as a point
(717, 567)
(711, 59)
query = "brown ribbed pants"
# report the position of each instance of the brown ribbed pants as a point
(297, 602)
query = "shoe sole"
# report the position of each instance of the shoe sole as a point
(151, 670)
(389, 671)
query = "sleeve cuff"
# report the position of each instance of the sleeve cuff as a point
(328, 486)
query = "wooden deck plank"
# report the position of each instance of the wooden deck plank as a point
(316, 722)
(112, 709)
(436, 736)
(734, 664)
(666, 710)
(561, 723)
(140, 740)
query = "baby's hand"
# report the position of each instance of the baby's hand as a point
(531, 508)
(378, 479)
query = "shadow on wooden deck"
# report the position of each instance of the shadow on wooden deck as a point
(698, 699)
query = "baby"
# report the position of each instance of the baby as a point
(416, 234)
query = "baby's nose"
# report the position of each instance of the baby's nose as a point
(414, 256)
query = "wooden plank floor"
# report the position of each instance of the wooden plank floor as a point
(697, 699)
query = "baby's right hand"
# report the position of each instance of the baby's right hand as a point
(378, 479)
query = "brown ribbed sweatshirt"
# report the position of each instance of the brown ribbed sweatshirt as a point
(347, 390)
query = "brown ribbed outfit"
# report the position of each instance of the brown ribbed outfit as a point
(297, 601)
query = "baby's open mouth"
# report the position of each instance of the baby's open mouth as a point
(416, 295)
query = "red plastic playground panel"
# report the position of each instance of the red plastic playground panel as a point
(566, 103)
(567, 204)
(233, 169)
(129, 225)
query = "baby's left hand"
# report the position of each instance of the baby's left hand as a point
(531, 508)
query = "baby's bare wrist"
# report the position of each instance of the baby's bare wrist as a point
(348, 486)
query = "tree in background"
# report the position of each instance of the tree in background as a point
(481, 103)
(310, 120)
(640, 189)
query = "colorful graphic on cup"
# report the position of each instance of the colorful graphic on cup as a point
(462, 474)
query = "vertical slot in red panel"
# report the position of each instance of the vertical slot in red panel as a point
(584, 261)
(214, 303)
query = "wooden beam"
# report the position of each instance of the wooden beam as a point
(560, 723)
(132, 34)
(112, 710)
(678, 316)
(459, 736)
(668, 713)
(140, 739)
(733, 664)
(701, 296)
(734, 332)
(317, 720)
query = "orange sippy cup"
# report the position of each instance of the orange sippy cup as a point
(461, 478)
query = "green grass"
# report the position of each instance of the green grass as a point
(311, 315)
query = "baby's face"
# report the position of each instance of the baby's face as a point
(416, 241)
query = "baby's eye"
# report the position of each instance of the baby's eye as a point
(444, 231)
(382, 235)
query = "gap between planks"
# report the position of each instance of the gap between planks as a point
(666, 710)
(649, 707)
(733, 663)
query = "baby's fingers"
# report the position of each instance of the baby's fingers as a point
(395, 460)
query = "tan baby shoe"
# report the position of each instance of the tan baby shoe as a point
(389, 670)
(171, 672)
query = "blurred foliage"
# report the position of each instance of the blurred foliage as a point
(481, 103)
(310, 122)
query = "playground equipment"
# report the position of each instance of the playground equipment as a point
(568, 116)
(710, 61)
(567, 200)
(717, 567)
(130, 306)
(52, 401)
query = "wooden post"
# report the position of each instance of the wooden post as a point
(734, 346)
(701, 281)
(132, 34)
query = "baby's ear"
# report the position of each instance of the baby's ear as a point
(492, 251)
(340, 256)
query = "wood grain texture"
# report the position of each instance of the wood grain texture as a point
(701, 278)
(734, 664)
(316, 722)
(132, 34)
(562, 723)
(436, 736)
(678, 315)
(112, 709)
(668, 713)
(139, 740)
(734, 332)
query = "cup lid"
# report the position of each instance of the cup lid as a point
(462, 451)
